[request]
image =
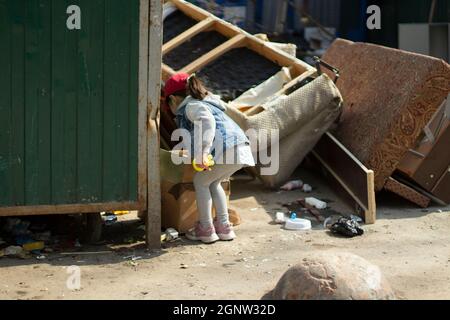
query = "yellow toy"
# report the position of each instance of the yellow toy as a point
(210, 163)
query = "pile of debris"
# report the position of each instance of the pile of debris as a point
(373, 118)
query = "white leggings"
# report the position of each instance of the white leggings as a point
(208, 190)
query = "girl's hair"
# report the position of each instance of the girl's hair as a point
(195, 88)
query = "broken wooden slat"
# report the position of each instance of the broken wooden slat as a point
(167, 72)
(407, 193)
(214, 54)
(442, 188)
(350, 173)
(191, 10)
(188, 34)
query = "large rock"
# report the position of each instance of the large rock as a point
(332, 276)
(389, 97)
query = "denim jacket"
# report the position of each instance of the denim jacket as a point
(227, 133)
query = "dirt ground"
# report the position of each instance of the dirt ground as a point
(410, 245)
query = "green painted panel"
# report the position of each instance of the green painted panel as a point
(68, 102)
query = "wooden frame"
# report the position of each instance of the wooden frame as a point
(355, 179)
(237, 38)
(141, 203)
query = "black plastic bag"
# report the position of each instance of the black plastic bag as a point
(347, 227)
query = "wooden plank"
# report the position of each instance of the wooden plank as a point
(68, 208)
(153, 221)
(435, 164)
(214, 54)
(188, 34)
(191, 10)
(167, 72)
(413, 159)
(407, 193)
(276, 55)
(351, 174)
(442, 188)
(227, 29)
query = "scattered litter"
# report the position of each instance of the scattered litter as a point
(280, 218)
(85, 253)
(121, 213)
(42, 236)
(109, 218)
(132, 258)
(11, 251)
(47, 250)
(356, 218)
(297, 224)
(41, 257)
(306, 188)
(171, 234)
(17, 227)
(34, 246)
(347, 227)
(183, 266)
(77, 243)
(254, 209)
(330, 221)
(306, 208)
(316, 203)
(132, 263)
(292, 185)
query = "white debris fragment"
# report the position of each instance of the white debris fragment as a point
(280, 218)
(316, 203)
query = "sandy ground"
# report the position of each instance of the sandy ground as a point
(410, 245)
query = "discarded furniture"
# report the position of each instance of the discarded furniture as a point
(390, 97)
(428, 162)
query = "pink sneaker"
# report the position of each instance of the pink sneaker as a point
(200, 233)
(224, 231)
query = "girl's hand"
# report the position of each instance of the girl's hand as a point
(205, 162)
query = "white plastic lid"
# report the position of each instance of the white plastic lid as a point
(298, 224)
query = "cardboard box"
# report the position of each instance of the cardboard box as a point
(179, 208)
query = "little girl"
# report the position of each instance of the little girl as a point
(197, 110)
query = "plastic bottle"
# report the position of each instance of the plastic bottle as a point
(316, 203)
